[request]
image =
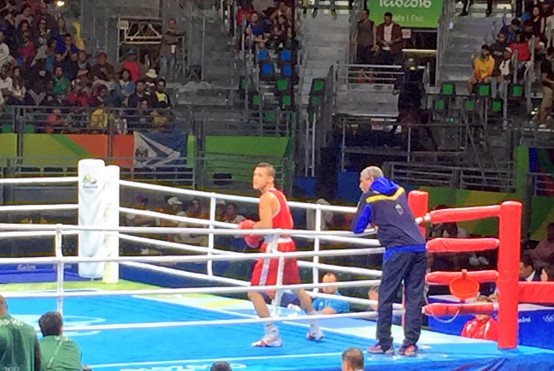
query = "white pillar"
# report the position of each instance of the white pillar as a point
(92, 179)
(111, 220)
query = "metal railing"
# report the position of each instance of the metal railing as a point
(496, 180)
(209, 170)
(354, 75)
(542, 184)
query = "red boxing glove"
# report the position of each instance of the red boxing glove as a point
(247, 224)
(252, 240)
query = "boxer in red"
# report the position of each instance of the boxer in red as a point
(274, 213)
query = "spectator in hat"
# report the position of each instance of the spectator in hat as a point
(503, 74)
(483, 68)
(150, 80)
(132, 64)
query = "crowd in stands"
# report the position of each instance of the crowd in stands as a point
(527, 42)
(43, 63)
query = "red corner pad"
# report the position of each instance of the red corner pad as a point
(536, 292)
(462, 244)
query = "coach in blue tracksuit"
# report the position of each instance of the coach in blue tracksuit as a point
(384, 205)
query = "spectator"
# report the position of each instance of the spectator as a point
(6, 82)
(326, 216)
(131, 63)
(282, 10)
(330, 306)
(102, 69)
(231, 215)
(256, 34)
(521, 47)
(171, 43)
(281, 34)
(160, 95)
(61, 84)
(503, 74)
(331, 5)
(389, 40)
(25, 16)
(133, 220)
(547, 274)
(527, 270)
(364, 37)
(352, 360)
(58, 352)
(543, 254)
(5, 56)
(221, 366)
(483, 67)
(497, 49)
(510, 31)
(549, 28)
(83, 65)
(124, 88)
(54, 121)
(140, 93)
(483, 326)
(19, 347)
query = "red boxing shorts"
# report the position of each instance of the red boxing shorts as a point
(265, 270)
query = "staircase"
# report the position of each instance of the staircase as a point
(465, 38)
(325, 41)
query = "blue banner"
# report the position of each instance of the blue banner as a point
(159, 149)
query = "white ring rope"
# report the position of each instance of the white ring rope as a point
(45, 180)
(38, 207)
(239, 321)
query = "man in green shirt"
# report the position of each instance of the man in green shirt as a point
(19, 349)
(58, 352)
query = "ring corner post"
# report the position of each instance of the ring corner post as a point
(508, 273)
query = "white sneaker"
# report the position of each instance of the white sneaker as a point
(269, 340)
(315, 332)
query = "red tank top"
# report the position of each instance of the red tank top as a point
(282, 218)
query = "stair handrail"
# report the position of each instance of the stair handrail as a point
(445, 24)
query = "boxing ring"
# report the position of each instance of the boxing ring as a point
(188, 328)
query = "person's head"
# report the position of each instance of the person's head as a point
(160, 86)
(142, 201)
(550, 231)
(263, 177)
(82, 56)
(364, 14)
(61, 24)
(101, 58)
(388, 18)
(329, 278)
(231, 210)
(68, 39)
(352, 359)
(516, 24)
(368, 176)
(254, 17)
(132, 55)
(451, 229)
(282, 6)
(526, 266)
(171, 23)
(102, 91)
(483, 299)
(5, 71)
(51, 324)
(140, 86)
(125, 75)
(507, 54)
(485, 51)
(547, 274)
(16, 72)
(27, 11)
(221, 366)
(144, 104)
(58, 71)
(3, 306)
(501, 38)
(175, 203)
(536, 11)
(23, 26)
(42, 24)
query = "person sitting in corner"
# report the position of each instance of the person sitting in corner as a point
(58, 352)
(547, 274)
(330, 306)
(527, 270)
(373, 294)
(483, 67)
(483, 326)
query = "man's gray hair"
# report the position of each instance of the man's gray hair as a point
(371, 172)
(354, 357)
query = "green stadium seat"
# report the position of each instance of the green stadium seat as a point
(516, 91)
(255, 100)
(483, 90)
(440, 105)
(469, 105)
(285, 101)
(269, 117)
(448, 89)
(496, 106)
(6, 128)
(283, 86)
(318, 87)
